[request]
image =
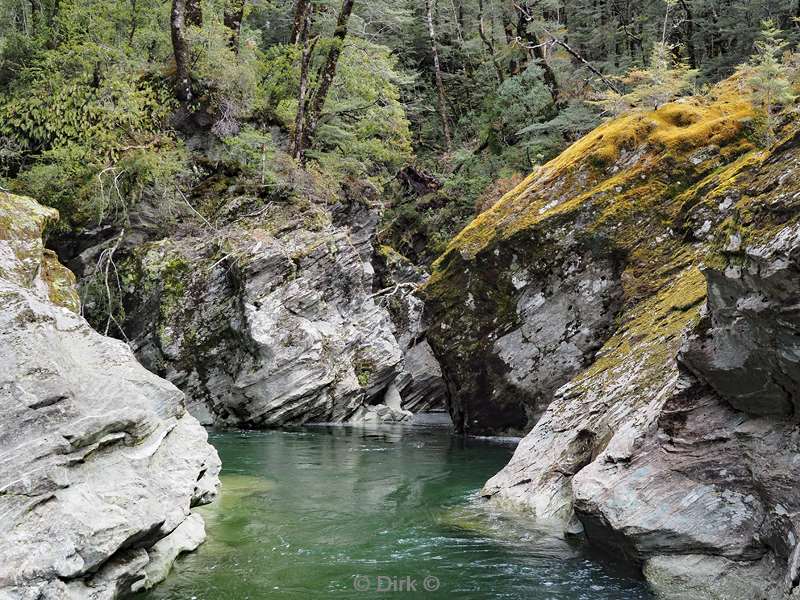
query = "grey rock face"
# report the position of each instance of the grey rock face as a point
(99, 458)
(526, 320)
(561, 323)
(269, 324)
(748, 347)
(678, 446)
(420, 382)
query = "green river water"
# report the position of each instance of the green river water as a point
(361, 513)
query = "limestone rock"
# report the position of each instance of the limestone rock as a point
(100, 460)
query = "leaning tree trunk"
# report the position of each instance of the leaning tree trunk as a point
(327, 72)
(232, 17)
(437, 70)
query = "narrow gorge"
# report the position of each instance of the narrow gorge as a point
(477, 299)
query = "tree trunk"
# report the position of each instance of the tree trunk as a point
(183, 84)
(301, 8)
(232, 17)
(134, 21)
(185, 13)
(437, 70)
(489, 43)
(325, 75)
(301, 38)
(531, 41)
(690, 51)
(36, 14)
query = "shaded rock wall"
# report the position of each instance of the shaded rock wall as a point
(99, 460)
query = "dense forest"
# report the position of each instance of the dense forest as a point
(102, 103)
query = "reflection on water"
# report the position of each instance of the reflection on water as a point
(328, 511)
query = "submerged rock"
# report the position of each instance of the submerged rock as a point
(664, 418)
(101, 464)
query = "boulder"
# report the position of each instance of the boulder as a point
(100, 461)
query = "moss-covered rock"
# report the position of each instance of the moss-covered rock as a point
(23, 257)
(527, 294)
(675, 442)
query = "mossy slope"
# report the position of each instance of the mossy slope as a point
(625, 199)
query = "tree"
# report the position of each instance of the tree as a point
(232, 17)
(437, 72)
(314, 103)
(300, 37)
(768, 76)
(531, 43)
(488, 42)
(185, 13)
(302, 9)
(662, 81)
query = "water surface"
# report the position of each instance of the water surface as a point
(326, 512)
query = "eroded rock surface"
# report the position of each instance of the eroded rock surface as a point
(99, 460)
(269, 320)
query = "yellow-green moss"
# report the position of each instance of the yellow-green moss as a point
(22, 218)
(22, 224)
(654, 329)
(61, 284)
(581, 173)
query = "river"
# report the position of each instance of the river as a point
(358, 513)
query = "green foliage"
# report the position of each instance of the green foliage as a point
(82, 121)
(519, 101)
(86, 189)
(769, 76)
(254, 152)
(228, 83)
(363, 129)
(664, 80)
(88, 122)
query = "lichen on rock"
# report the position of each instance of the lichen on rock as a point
(671, 440)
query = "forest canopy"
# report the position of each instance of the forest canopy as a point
(103, 104)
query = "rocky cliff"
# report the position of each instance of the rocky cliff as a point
(266, 313)
(100, 465)
(634, 304)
